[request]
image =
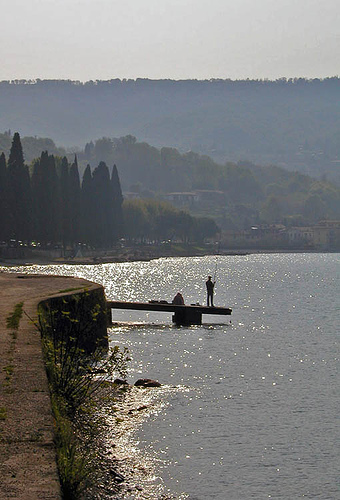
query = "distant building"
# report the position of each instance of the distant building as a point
(327, 234)
(131, 195)
(300, 236)
(323, 236)
(210, 196)
(204, 196)
(182, 198)
(270, 236)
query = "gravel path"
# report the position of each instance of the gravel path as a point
(28, 468)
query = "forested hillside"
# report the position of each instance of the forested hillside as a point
(32, 146)
(295, 123)
(235, 195)
(241, 193)
(47, 203)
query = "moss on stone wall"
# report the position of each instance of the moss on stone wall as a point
(85, 310)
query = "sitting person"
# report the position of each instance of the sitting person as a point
(178, 299)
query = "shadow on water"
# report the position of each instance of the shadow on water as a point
(140, 325)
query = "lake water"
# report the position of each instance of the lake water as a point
(249, 409)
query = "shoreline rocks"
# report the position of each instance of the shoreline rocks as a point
(147, 382)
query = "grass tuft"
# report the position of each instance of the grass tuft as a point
(13, 320)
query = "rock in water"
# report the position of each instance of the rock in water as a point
(119, 381)
(147, 382)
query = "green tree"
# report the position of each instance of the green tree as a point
(54, 196)
(271, 211)
(64, 183)
(74, 202)
(184, 226)
(135, 220)
(39, 199)
(46, 196)
(204, 228)
(103, 216)
(103, 150)
(88, 207)
(314, 208)
(4, 208)
(19, 192)
(89, 150)
(117, 199)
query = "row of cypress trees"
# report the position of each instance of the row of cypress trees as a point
(49, 204)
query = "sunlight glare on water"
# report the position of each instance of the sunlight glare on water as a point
(249, 408)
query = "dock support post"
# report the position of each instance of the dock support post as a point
(109, 315)
(186, 316)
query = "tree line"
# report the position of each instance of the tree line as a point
(153, 220)
(243, 193)
(292, 122)
(48, 202)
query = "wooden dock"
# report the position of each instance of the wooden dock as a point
(183, 314)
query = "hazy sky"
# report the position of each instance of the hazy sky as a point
(104, 39)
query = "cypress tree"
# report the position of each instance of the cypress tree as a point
(64, 182)
(117, 197)
(54, 202)
(4, 209)
(39, 204)
(74, 198)
(89, 148)
(46, 199)
(40, 192)
(103, 215)
(27, 204)
(16, 155)
(19, 192)
(87, 207)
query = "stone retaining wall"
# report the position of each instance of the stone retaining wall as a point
(28, 468)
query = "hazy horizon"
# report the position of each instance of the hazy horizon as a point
(169, 39)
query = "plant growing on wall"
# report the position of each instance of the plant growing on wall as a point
(76, 375)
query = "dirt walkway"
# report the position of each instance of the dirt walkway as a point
(28, 469)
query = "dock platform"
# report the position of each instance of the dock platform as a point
(183, 314)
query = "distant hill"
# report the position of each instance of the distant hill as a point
(32, 146)
(294, 124)
(236, 195)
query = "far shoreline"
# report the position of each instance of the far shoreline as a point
(144, 257)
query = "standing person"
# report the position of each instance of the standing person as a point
(210, 291)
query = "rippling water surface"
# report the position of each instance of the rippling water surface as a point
(249, 408)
